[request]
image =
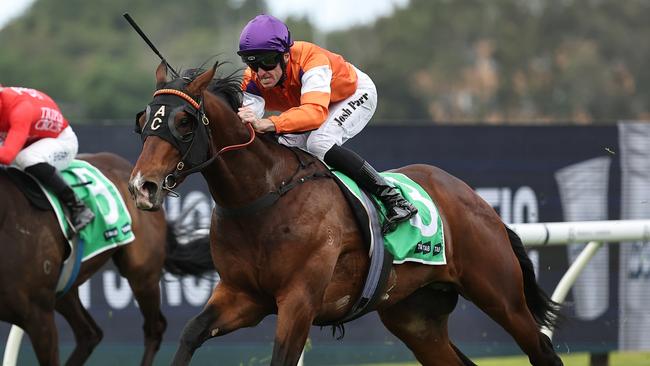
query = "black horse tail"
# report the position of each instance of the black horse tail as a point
(192, 258)
(545, 311)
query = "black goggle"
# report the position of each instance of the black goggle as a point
(267, 61)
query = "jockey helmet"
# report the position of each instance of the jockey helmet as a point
(263, 34)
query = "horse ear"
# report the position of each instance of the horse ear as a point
(161, 74)
(200, 83)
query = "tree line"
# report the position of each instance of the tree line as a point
(433, 61)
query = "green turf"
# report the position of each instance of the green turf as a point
(253, 354)
(580, 359)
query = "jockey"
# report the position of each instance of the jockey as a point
(323, 100)
(35, 137)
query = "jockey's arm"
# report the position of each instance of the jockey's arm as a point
(307, 117)
(19, 121)
(314, 102)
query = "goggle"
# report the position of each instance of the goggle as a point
(266, 61)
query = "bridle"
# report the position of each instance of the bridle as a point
(171, 135)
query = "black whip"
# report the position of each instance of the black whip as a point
(146, 39)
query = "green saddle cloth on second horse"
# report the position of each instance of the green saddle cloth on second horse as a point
(111, 226)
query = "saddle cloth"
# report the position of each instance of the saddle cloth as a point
(421, 239)
(112, 224)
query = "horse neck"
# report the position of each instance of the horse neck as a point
(240, 176)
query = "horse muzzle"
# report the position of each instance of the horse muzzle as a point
(146, 193)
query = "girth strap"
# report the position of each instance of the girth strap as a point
(381, 263)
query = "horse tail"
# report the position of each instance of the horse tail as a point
(545, 311)
(192, 258)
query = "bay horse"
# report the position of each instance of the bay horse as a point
(33, 248)
(301, 256)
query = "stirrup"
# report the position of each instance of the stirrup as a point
(81, 219)
(388, 227)
(391, 223)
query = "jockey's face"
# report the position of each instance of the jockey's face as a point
(270, 78)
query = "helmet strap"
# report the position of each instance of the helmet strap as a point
(283, 67)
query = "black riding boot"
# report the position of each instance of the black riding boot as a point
(347, 161)
(80, 214)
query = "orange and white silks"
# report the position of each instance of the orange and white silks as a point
(315, 78)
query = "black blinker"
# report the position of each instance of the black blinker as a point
(137, 129)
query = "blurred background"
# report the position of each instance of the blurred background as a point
(434, 62)
(542, 106)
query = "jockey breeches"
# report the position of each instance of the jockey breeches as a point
(58, 152)
(346, 119)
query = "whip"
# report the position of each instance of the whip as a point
(146, 39)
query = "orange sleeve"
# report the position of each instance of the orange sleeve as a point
(314, 98)
(247, 79)
(307, 117)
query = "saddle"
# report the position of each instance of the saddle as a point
(30, 188)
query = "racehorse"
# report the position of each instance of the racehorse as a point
(34, 247)
(301, 256)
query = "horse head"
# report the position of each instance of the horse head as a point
(175, 136)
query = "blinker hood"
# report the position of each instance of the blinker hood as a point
(160, 121)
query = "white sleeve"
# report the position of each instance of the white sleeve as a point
(255, 102)
(317, 79)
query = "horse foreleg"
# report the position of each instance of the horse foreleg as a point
(147, 293)
(42, 332)
(87, 333)
(228, 309)
(295, 316)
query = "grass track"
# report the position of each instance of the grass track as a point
(578, 359)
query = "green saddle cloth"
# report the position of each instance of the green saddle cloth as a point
(111, 226)
(421, 239)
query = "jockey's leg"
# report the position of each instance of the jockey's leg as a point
(347, 161)
(43, 159)
(80, 214)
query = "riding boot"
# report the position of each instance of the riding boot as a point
(80, 214)
(347, 161)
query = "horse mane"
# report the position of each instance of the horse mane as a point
(228, 87)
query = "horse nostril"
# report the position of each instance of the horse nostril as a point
(150, 187)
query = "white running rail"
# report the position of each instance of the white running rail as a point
(13, 346)
(596, 233)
